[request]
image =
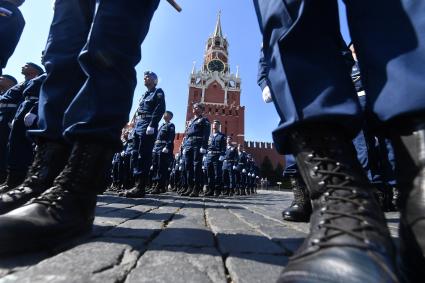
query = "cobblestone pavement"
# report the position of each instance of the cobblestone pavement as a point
(168, 238)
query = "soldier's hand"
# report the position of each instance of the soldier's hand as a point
(165, 150)
(29, 119)
(221, 158)
(150, 130)
(202, 150)
(267, 96)
(243, 171)
(234, 168)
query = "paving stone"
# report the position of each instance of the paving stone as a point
(179, 265)
(249, 268)
(84, 263)
(114, 218)
(188, 230)
(146, 224)
(10, 264)
(287, 237)
(247, 243)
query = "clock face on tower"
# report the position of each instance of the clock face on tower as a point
(216, 65)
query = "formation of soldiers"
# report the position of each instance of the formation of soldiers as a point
(207, 162)
(18, 113)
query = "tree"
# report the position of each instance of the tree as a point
(278, 172)
(266, 169)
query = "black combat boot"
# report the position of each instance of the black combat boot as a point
(138, 191)
(188, 191)
(217, 191)
(242, 191)
(13, 180)
(410, 153)
(349, 240)
(49, 160)
(209, 192)
(3, 176)
(300, 208)
(64, 211)
(195, 192)
(156, 189)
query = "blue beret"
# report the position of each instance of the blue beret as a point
(9, 77)
(151, 74)
(37, 67)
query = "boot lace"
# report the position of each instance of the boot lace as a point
(340, 189)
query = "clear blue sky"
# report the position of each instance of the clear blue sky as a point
(174, 41)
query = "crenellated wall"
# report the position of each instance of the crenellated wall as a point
(262, 149)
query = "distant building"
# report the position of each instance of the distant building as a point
(220, 90)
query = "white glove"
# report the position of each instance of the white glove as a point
(180, 168)
(150, 130)
(234, 167)
(165, 150)
(122, 153)
(184, 151)
(203, 167)
(243, 171)
(249, 174)
(267, 96)
(202, 150)
(221, 158)
(29, 119)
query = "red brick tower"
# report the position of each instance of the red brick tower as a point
(220, 91)
(218, 88)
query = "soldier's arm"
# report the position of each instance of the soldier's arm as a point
(207, 130)
(159, 109)
(171, 136)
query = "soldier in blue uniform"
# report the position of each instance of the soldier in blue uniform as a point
(241, 173)
(6, 116)
(214, 159)
(150, 111)
(251, 175)
(175, 173)
(20, 146)
(230, 161)
(84, 104)
(301, 39)
(162, 153)
(374, 151)
(11, 26)
(194, 148)
(10, 101)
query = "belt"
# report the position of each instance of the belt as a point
(8, 105)
(231, 160)
(31, 98)
(213, 152)
(159, 141)
(240, 163)
(194, 138)
(361, 93)
(144, 115)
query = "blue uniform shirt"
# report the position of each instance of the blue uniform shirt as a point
(230, 157)
(242, 160)
(165, 138)
(31, 95)
(198, 132)
(152, 107)
(217, 144)
(11, 26)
